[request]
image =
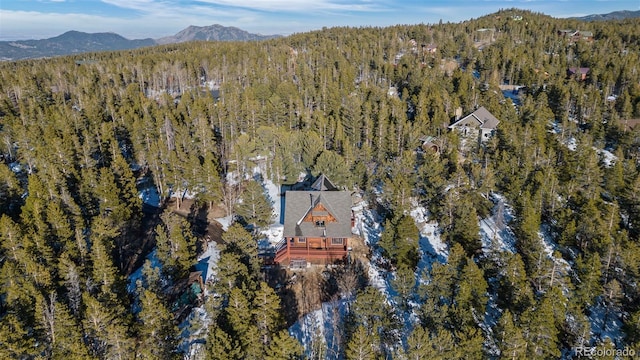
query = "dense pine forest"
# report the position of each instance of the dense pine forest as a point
(80, 136)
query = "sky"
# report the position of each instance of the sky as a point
(136, 19)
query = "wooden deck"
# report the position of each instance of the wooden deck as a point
(285, 255)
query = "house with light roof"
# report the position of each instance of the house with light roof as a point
(479, 124)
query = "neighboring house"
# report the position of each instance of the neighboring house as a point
(576, 35)
(317, 226)
(480, 123)
(579, 73)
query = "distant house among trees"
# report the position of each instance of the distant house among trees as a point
(578, 73)
(480, 123)
(576, 35)
(317, 225)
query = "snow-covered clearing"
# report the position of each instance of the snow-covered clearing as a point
(496, 236)
(208, 262)
(193, 330)
(495, 232)
(273, 233)
(320, 326)
(605, 323)
(430, 244)
(150, 196)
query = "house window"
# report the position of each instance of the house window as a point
(302, 240)
(337, 241)
(319, 223)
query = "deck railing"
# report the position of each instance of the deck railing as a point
(309, 254)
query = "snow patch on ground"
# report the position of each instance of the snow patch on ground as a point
(225, 222)
(273, 234)
(320, 325)
(193, 333)
(494, 231)
(378, 277)
(15, 167)
(430, 245)
(138, 275)
(548, 243)
(368, 226)
(607, 158)
(208, 261)
(606, 323)
(150, 196)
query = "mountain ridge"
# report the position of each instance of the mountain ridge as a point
(68, 43)
(616, 15)
(77, 42)
(213, 32)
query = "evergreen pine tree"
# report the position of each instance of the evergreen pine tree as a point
(255, 209)
(266, 312)
(220, 346)
(418, 344)
(284, 347)
(63, 338)
(510, 338)
(465, 229)
(238, 313)
(157, 334)
(514, 290)
(361, 346)
(540, 331)
(15, 341)
(240, 242)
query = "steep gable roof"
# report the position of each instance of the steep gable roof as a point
(481, 118)
(488, 120)
(298, 204)
(581, 70)
(323, 183)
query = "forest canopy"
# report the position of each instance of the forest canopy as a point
(78, 138)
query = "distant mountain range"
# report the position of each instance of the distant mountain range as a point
(71, 42)
(76, 42)
(212, 33)
(616, 15)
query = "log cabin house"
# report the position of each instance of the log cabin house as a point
(317, 226)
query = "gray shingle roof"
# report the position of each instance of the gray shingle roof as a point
(323, 183)
(299, 203)
(482, 117)
(488, 120)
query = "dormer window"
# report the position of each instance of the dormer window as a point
(319, 223)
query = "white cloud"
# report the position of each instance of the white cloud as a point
(299, 5)
(20, 25)
(157, 18)
(302, 6)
